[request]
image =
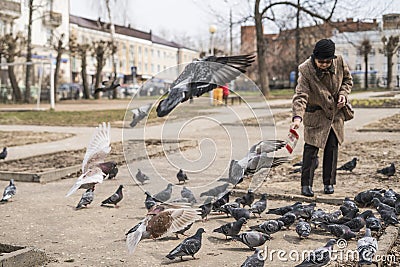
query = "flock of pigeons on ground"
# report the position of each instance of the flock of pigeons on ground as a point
(165, 216)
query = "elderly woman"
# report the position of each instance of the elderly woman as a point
(321, 93)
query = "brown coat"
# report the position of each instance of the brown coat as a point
(321, 90)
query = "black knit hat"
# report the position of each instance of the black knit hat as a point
(324, 49)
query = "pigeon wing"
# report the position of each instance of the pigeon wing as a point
(133, 238)
(99, 147)
(93, 176)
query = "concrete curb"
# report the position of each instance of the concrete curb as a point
(21, 256)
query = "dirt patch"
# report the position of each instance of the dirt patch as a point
(391, 123)
(20, 138)
(262, 120)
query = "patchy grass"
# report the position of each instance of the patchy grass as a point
(61, 118)
(376, 103)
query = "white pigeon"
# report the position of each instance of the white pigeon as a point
(99, 147)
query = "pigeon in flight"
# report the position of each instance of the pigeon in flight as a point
(160, 220)
(114, 198)
(189, 247)
(202, 76)
(388, 171)
(320, 256)
(349, 166)
(139, 114)
(9, 191)
(93, 165)
(141, 177)
(86, 199)
(182, 177)
(3, 154)
(109, 85)
(367, 248)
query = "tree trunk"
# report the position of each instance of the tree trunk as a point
(60, 51)
(112, 31)
(261, 52)
(29, 55)
(366, 71)
(86, 90)
(99, 68)
(389, 70)
(17, 95)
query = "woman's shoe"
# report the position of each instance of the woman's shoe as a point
(307, 191)
(328, 189)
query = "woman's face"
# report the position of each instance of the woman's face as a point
(323, 63)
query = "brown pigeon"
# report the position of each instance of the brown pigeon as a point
(160, 220)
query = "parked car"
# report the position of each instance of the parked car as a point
(127, 90)
(70, 91)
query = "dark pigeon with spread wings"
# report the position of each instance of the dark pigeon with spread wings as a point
(202, 76)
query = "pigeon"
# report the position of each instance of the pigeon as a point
(268, 227)
(252, 239)
(260, 205)
(364, 198)
(320, 256)
(139, 114)
(283, 210)
(93, 171)
(182, 232)
(9, 191)
(114, 198)
(214, 192)
(373, 223)
(221, 200)
(315, 165)
(288, 219)
(3, 154)
(339, 230)
(379, 205)
(231, 229)
(388, 217)
(347, 206)
(388, 171)
(357, 223)
(248, 198)
(141, 177)
(188, 194)
(109, 85)
(86, 199)
(298, 164)
(149, 201)
(254, 260)
(303, 229)
(164, 195)
(112, 173)
(206, 208)
(188, 247)
(236, 173)
(182, 177)
(257, 158)
(367, 248)
(160, 220)
(202, 76)
(238, 213)
(349, 166)
(235, 204)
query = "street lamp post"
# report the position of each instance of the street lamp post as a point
(212, 30)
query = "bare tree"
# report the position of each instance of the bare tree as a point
(28, 54)
(81, 51)
(390, 47)
(11, 47)
(261, 14)
(101, 51)
(60, 49)
(112, 33)
(365, 49)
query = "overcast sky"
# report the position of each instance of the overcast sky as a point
(169, 18)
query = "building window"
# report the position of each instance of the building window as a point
(158, 68)
(158, 53)
(371, 66)
(358, 66)
(152, 52)
(145, 52)
(152, 68)
(145, 68)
